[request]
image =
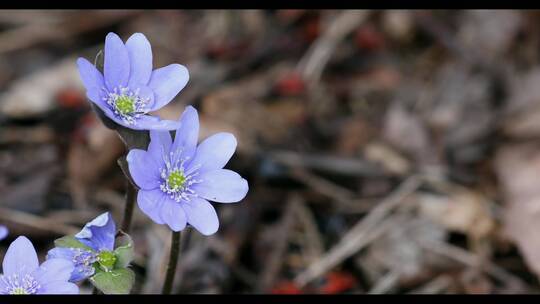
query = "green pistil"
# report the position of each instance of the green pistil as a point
(106, 260)
(125, 104)
(176, 180)
(18, 291)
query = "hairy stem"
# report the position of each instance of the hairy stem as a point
(131, 192)
(173, 261)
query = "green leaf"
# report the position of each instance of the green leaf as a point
(124, 252)
(118, 281)
(70, 241)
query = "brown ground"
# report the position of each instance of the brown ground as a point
(386, 151)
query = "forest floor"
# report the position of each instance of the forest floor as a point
(386, 151)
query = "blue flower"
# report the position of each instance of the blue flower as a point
(128, 88)
(3, 232)
(82, 260)
(97, 237)
(99, 233)
(23, 274)
(176, 179)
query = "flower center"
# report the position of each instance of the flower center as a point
(125, 105)
(18, 291)
(20, 285)
(176, 180)
(83, 260)
(106, 260)
(83, 257)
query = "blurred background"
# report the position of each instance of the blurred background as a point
(386, 151)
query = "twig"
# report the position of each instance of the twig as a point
(312, 239)
(343, 250)
(26, 135)
(342, 195)
(361, 234)
(173, 261)
(30, 35)
(34, 221)
(275, 261)
(471, 260)
(71, 217)
(437, 30)
(327, 163)
(299, 163)
(386, 283)
(442, 33)
(344, 198)
(434, 286)
(317, 56)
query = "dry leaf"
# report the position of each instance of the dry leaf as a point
(35, 94)
(462, 211)
(518, 169)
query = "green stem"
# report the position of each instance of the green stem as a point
(173, 262)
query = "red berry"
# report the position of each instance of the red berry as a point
(291, 84)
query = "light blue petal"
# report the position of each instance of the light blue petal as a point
(150, 202)
(167, 82)
(59, 287)
(3, 232)
(92, 81)
(143, 169)
(187, 135)
(116, 65)
(221, 185)
(140, 59)
(160, 146)
(173, 215)
(81, 259)
(214, 152)
(147, 122)
(20, 258)
(201, 215)
(54, 270)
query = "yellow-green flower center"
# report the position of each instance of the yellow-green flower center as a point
(125, 104)
(176, 180)
(18, 291)
(106, 259)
